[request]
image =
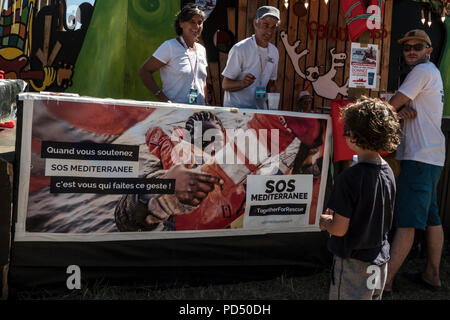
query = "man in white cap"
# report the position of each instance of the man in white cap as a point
(419, 102)
(304, 102)
(252, 64)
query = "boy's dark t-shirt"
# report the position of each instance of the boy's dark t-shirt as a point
(364, 193)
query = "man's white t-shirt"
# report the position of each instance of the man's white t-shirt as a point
(422, 138)
(177, 75)
(247, 57)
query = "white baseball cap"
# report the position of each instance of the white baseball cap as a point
(267, 11)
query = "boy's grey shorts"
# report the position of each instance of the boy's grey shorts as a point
(353, 279)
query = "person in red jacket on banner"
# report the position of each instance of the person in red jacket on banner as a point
(210, 195)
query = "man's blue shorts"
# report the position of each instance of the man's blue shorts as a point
(416, 205)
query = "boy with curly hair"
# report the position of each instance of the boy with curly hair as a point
(361, 205)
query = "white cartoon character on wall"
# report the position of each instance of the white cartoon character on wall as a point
(323, 85)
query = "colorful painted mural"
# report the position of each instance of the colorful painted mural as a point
(122, 35)
(38, 44)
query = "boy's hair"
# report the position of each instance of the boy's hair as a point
(374, 123)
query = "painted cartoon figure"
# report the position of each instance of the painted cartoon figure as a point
(323, 85)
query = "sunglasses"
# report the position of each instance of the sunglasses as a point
(415, 47)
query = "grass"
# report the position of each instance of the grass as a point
(286, 286)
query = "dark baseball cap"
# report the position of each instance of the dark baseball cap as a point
(267, 11)
(416, 34)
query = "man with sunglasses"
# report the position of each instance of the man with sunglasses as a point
(252, 64)
(419, 102)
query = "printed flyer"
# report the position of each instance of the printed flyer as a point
(364, 63)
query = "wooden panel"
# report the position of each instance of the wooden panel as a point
(386, 45)
(274, 3)
(223, 57)
(298, 83)
(260, 3)
(333, 14)
(252, 5)
(242, 20)
(302, 35)
(322, 55)
(341, 76)
(284, 15)
(215, 77)
(209, 80)
(374, 93)
(289, 73)
(313, 11)
(231, 20)
(333, 20)
(209, 85)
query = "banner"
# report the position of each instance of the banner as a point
(106, 170)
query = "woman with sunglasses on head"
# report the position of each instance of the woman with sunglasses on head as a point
(181, 61)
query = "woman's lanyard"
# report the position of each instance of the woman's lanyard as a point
(193, 69)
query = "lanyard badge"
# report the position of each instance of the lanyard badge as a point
(193, 92)
(260, 92)
(193, 95)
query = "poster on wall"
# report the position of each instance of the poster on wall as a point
(107, 170)
(364, 66)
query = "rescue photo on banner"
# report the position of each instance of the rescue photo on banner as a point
(104, 169)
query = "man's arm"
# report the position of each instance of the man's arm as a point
(399, 101)
(334, 223)
(236, 85)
